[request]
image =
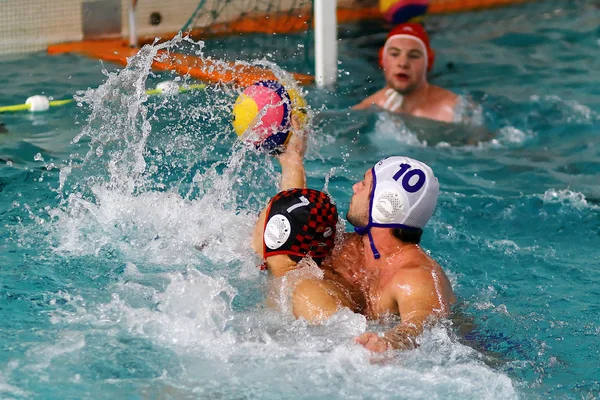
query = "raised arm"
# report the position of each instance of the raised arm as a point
(293, 174)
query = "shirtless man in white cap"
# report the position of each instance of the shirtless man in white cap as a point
(405, 59)
(380, 269)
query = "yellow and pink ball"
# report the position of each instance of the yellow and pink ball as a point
(263, 113)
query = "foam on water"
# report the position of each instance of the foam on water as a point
(389, 128)
(190, 315)
(155, 227)
(569, 111)
(568, 198)
(41, 356)
(9, 390)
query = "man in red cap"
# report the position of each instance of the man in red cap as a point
(405, 59)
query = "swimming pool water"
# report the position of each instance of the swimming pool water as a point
(103, 293)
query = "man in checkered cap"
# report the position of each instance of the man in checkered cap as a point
(405, 58)
(300, 224)
(297, 222)
(379, 269)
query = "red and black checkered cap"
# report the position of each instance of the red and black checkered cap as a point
(300, 222)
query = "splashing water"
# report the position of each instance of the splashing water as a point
(127, 267)
(162, 218)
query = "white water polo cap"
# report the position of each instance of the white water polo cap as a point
(404, 195)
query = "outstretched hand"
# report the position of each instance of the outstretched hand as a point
(296, 145)
(373, 342)
(292, 159)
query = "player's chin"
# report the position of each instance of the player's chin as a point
(401, 84)
(405, 88)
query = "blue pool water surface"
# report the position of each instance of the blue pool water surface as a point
(104, 293)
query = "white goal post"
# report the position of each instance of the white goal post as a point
(326, 49)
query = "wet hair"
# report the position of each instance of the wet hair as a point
(408, 235)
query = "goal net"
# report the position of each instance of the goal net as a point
(281, 30)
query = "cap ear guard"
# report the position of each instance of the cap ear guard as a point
(388, 203)
(277, 231)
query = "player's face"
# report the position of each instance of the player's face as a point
(358, 212)
(404, 65)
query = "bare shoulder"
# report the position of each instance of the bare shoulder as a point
(444, 96)
(422, 279)
(416, 266)
(442, 104)
(373, 99)
(419, 270)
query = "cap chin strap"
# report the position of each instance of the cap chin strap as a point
(362, 230)
(367, 229)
